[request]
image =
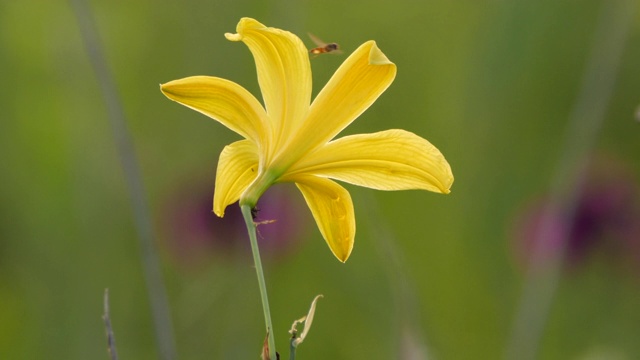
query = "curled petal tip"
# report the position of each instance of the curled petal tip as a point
(244, 24)
(376, 56)
(341, 253)
(218, 209)
(233, 37)
(167, 87)
(448, 183)
(219, 213)
(248, 23)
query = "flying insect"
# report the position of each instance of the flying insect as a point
(322, 47)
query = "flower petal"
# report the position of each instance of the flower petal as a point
(284, 73)
(359, 81)
(386, 160)
(237, 169)
(223, 100)
(332, 209)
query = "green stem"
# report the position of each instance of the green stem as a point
(292, 349)
(251, 229)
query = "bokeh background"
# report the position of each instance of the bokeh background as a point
(493, 84)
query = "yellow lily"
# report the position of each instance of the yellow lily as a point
(290, 138)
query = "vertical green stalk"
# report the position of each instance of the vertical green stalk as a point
(152, 271)
(251, 229)
(292, 349)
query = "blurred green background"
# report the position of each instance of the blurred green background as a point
(491, 83)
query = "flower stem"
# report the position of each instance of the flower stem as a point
(292, 349)
(251, 229)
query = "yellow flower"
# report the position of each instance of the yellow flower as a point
(290, 138)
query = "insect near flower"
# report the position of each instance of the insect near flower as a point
(292, 139)
(322, 47)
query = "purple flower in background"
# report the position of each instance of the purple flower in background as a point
(606, 219)
(195, 235)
